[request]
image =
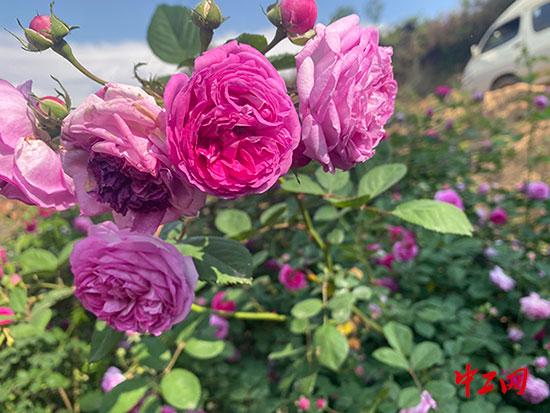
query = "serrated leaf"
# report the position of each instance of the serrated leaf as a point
(37, 261)
(391, 357)
(425, 355)
(381, 178)
(332, 182)
(303, 184)
(436, 216)
(257, 41)
(172, 35)
(331, 346)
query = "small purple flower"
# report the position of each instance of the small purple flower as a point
(112, 378)
(82, 224)
(537, 191)
(536, 390)
(541, 102)
(478, 96)
(490, 252)
(221, 325)
(388, 282)
(442, 91)
(450, 197)
(426, 404)
(500, 279)
(498, 216)
(292, 279)
(400, 116)
(515, 334)
(534, 307)
(483, 188)
(430, 113)
(461, 186)
(432, 134)
(449, 124)
(541, 362)
(407, 249)
(168, 409)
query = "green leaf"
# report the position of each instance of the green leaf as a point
(181, 389)
(18, 299)
(53, 297)
(331, 346)
(104, 340)
(286, 352)
(40, 318)
(91, 401)
(436, 216)
(341, 306)
(441, 390)
(23, 330)
(37, 260)
(307, 308)
(219, 260)
(391, 357)
(257, 41)
(151, 352)
(172, 35)
(233, 222)
(332, 182)
(283, 61)
(273, 214)
(124, 396)
(303, 184)
(399, 336)
(408, 397)
(65, 253)
(425, 355)
(326, 213)
(477, 406)
(378, 180)
(336, 236)
(204, 350)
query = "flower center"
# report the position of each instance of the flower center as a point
(125, 188)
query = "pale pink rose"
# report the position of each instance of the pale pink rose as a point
(347, 93)
(537, 191)
(116, 152)
(221, 326)
(232, 128)
(449, 196)
(541, 362)
(536, 390)
(132, 281)
(515, 334)
(534, 307)
(112, 378)
(298, 16)
(426, 404)
(30, 171)
(500, 279)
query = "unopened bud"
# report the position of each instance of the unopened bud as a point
(274, 15)
(38, 34)
(207, 15)
(52, 107)
(298, 16)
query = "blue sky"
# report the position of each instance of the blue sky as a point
(112, 20)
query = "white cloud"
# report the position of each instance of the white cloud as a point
(110, 61)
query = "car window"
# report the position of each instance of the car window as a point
(502, 34)
(541, 17)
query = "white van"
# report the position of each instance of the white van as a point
(495, 61)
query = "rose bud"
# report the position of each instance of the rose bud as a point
(39, 34)
(298, 16)
(52, 107)
(207, 15)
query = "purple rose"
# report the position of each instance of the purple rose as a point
(232, 128)
(536, 390)
(515, 334)
(541, 362)
(407, 249)
(500, 279)
(116, 152)
(426, 404)
(534, 307)
(30, 171)
(132, 281)
(347, 93)
(388, 282)
(449, 196)
(537, 191)
(386, 261)
(292, 279)
(112, 378)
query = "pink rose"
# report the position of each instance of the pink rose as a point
(406, 249)
(501, 280)
(450, 197)
(298, 16)
(303, 403)
(292, 279)
(30, 171)
(134, 282)
(538, 191)
(534, 307)
(221, 326)
(347, 93)
(116, 152)
(536, 390)
(112, 378)
(220, 304)
(6, 316)
(386, 261)
(498, 216)
(426, 404)
(232, 128)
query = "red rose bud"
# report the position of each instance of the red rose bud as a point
(42, 25)
(298, 16)
(207, 15)
(38, 34)
(52, 107)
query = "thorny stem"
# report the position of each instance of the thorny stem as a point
(64, 50)
(241, 315)
(280, 35)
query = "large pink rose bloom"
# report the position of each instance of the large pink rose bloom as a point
(232, 127)
(30, 171)
(116, 152)
(347, 94)
(134, 282)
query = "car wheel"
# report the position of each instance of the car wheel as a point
(504, 81)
